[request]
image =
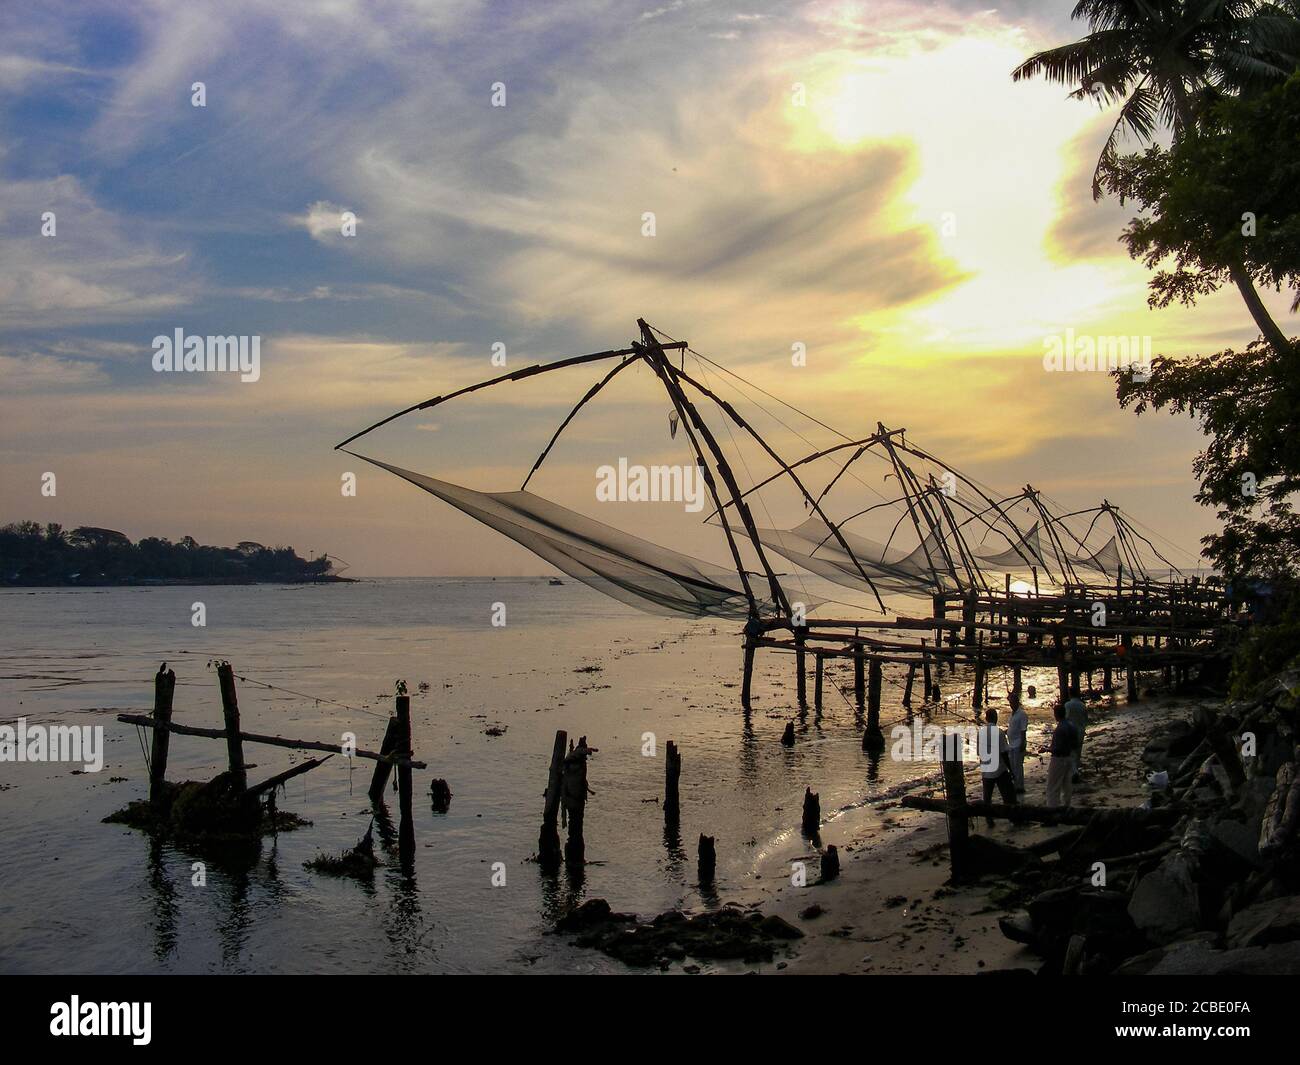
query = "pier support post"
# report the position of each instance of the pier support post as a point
(954, 786)
(978, 699)
(859, 681)
(801, 665)
(1062, 670)
(925, 666)
(911, 679)
(748, 676)
(230, 710)
(873, 739)
(672, 774)
(1130, 674)
(548, 842)
(164, 687)
(817, 688)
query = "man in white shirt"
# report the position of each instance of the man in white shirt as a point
(995, 767)
(1017, 733)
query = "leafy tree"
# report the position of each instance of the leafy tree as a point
(1247, 403)
(1224, 198)
(1163, 61)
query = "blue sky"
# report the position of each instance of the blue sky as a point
(521, 224)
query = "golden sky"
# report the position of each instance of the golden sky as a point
(862, 179)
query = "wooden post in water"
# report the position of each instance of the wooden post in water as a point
(925, 666)
(817, 688)
(1015, 679)
(747, 679)
(954, 786)
(859, 680)
(379, 778)
(873, 739)
(812, 812)
(968, 609)
(406, 816)
(978, 700)
(708, 860)
(801, 664)
(574, 790)
(164, 687)
(1130, 674)
(230, 710)
(1062, 669)
(672, 774)
(548, 842)
(907, 691)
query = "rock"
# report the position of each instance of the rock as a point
(1237, 837)
(1198, 959)
(1019, 928)
(1275, 921)
(779, 927)
(808, 913)
(590, 914)
(1165, 905)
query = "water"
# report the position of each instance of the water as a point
(78, 895)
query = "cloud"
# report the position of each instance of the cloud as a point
(96, 266)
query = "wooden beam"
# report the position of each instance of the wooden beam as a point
(273, 741)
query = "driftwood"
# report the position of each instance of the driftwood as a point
(273, 741)
(275, 781)
(1046, 815)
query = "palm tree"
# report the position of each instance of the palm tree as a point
(1164, 59)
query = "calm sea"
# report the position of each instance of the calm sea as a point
(80, 896)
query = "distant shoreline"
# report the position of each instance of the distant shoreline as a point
(174, 582)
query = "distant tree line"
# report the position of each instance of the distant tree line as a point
(35, 554)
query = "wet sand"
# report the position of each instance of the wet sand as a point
(892, 909)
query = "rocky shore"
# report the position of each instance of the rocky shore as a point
(1202, 878)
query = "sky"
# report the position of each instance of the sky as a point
(861, 179)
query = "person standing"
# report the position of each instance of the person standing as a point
(1060, 768)
(1017, 736)
(1077, 714)
(995, 762)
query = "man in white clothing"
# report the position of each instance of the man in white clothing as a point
(1017, 733)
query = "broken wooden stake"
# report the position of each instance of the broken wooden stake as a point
(708, 860)
(787, 737)
(406, 818)
(548, 842)
(379, 779)
(830, 864)
(954, 786)
(164, 688)
(812, 812)
(672, 775)
(230, 710)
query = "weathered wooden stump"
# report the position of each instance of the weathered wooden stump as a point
(787, 737)
(164, 688)
(672, 775)
(830, 864)
(708, 860)
(812, 812)
(548, 842)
